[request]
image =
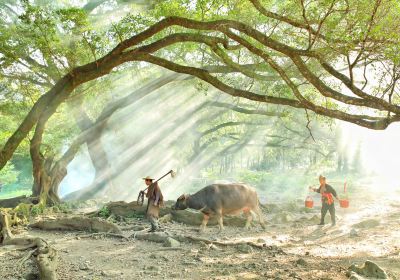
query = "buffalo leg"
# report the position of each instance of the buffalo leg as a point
(204, 222)
(260, 217)
(220, 221)
(249, 218)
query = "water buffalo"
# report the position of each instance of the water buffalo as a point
(221, 199)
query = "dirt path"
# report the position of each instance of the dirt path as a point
(309, 251)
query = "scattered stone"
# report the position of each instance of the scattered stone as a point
(214, 247)
(301, 262)
(152, 268)
(314, 219)
(354, 276)
(159, 237)
(283, 217)
(244, 248)
(165, 219)
(85, 266)
(170, 242)
(370, 223)
(354, 233)
(370, 269)
(110, 273)
(261, 240)
(31, 276)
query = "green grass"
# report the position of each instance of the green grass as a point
(15, 193)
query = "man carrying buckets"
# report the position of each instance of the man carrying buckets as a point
(327, 195)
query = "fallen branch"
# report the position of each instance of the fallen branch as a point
(171, 249)
(27, 257)
(104, 234)
(221, 243)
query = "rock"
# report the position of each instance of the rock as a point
(244, 248)
(31, 276)
(353, 233)
(315, 219)
(152, 268)
(283, 217)
(110, 273)
(271, 208)
(301, 262)
(165, 219)
(159, 237)
(153, 256)
(170, 242)
(85, 266)
(370, 223)
(354, 276)
(260, 240)
(370, 269)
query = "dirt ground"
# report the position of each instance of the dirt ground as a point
(295, 248)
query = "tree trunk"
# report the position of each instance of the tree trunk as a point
(45, 183)
(97, 153)
(5, 232)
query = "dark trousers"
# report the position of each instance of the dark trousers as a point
(152, 214)
(324, 210)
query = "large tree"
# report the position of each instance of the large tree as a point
(334, 58)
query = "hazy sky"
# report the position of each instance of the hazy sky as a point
(380, 150)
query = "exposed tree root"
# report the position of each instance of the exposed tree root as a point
(127, 209)
(26, 257)
(15, 201)
(5, 231)
(225, 243)
(161, 237)
(45, 255)
(77, 223)
(102, 234)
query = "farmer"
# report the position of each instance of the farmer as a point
(155, 200)
(327, 195)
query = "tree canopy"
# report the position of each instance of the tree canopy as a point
(301, 60)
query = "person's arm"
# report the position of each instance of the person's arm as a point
(157, 195)
(157, 199)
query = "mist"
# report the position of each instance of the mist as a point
(158, 132)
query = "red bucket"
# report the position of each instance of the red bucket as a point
(309, 203)
(344, 203)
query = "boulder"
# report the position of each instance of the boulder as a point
(165, 219)
(170, 242)
(301, 262)
(158, 237)
(353, 233)
(370, 223)
(369, 270)
(244, 248)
